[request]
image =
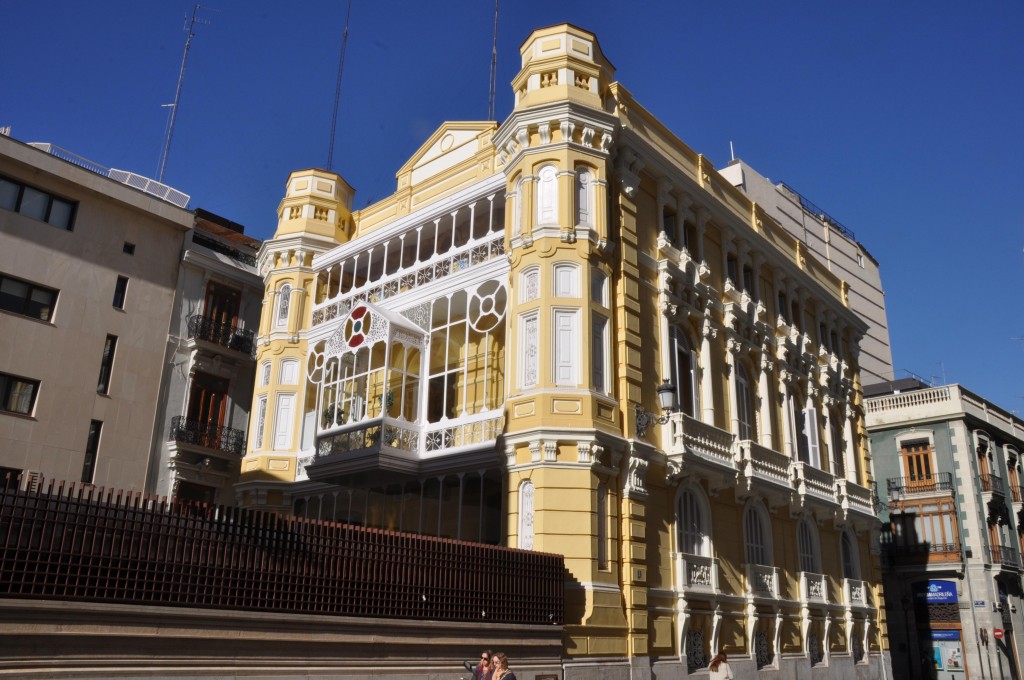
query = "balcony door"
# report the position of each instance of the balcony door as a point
(918, 466)
(206, 405)
(221, 304)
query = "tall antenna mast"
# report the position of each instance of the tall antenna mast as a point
(177, 92)
(337, 88)
(494, 64)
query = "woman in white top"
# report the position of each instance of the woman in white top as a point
(719, 668)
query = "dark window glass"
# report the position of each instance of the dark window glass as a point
(92, 445)
(120, 289)
(37, 204)
(22, 297)
(129, 248)
(107, 364)
(17, 395)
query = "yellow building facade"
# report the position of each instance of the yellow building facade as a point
(481, 356)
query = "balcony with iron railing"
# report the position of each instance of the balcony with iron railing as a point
(992, 484)
(936, 483)
(1015, 492)
(922, 553)
(1005, 557)
(221, 334)
(207, 435)
(696, 574)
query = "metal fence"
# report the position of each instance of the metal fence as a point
(83, 543)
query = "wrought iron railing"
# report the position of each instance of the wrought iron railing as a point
(932, 483)
(226, 439)
(223, 334)
(1005, 556)
(89, 544)
(925, 550)
(992, 483)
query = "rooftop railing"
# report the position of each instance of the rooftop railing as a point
(87, 544)
(222, 248)
(935, 395)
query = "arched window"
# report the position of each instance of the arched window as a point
(526, 515)
(584, 197)
(757, 536)
(684, 373)
(807, 547)
(848, 553)
(529, 284)
(284, 303)
(692, 534)
(744, 404)
(547, 195)
(290, 372)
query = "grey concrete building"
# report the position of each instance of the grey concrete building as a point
(948, 465)
(838, 248)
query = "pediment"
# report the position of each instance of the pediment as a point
(452, 144)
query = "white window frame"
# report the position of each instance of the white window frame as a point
(584, 197)
(284, 421)
(265, 373)
(282, 310)
(565, 280)
(261, 422)
(600, 367)
(290, 372)
(690, 382)
(565, 364)
(529, 350)
(529, 284)
(547, 195)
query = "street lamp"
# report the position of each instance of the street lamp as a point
(667, 401)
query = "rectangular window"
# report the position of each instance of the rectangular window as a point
(92, 446)
(17, 395)
(261, 422)
(106, 364)
(566, 347)
(28, 299)
(265, 374)
(120, 290)
(283, 421)
(37, 204)
(128, 248)
(290, 372)
(598, 288)
(529, 329)
(599, 354)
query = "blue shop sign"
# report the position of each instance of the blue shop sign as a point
(936, 592)
(945, 635)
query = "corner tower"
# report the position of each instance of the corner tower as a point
(563, 437)
(314, 216)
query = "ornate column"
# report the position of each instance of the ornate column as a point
(732, 346)
(851, 454)
(707, 395)
(786, 413)
(764, 396)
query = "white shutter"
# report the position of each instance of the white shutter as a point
(283, 422)
(566, 348)
(811, 432)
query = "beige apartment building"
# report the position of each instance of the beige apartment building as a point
(127, 325)
(568, 332)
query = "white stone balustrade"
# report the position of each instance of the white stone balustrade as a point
(813, 587)
(762, 580)
(810, 481)
(696, 573)
(762, 463)
(856, 593)
(689, 435)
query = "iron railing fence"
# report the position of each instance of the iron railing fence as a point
(227, 439)
(88, 544)
(216, 246)
(223, 334)
(927, 483)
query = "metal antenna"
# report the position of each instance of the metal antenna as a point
(494, 64)
(177, 92)
(337, 88)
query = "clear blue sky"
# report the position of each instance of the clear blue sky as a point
(902, 120)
